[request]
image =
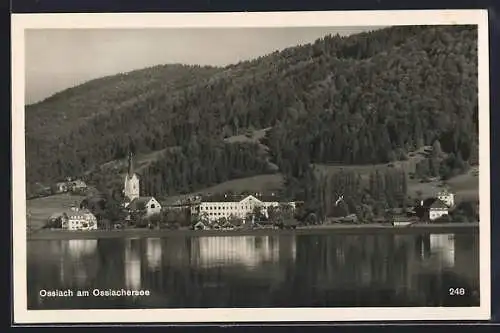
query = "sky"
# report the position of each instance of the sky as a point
(57, 59)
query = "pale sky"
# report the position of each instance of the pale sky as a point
(57, 59)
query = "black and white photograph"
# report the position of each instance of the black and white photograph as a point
(241, 167)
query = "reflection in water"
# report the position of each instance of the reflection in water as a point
(248, 251)
(153, 253)
(77, 248)
(132, 264)
(74, 264)
(265, 271)
(443, 246)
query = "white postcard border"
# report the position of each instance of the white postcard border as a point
(20, 22)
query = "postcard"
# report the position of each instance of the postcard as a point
(251, 167)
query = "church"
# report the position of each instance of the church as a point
(131, 190)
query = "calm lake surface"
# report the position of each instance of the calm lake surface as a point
(258, 271)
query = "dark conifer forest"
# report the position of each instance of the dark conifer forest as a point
(365, 99)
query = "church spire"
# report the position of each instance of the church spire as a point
(130, 169)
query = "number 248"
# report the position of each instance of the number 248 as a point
(456, 291)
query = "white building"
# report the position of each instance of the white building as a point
(78, 219)
(148, 205)
(216, 208)
(77, 185)
(447, 197)
(437, 209)
(131, 186)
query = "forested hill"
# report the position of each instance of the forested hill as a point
(367, 98)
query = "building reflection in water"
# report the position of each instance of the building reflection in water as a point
(249, 271)
(438, 249)
(132, 264)
(153, 253)
(442, 246)
(78, 248)
(248, 251)
(74, 265)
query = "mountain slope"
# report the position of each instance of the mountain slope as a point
(363, 99)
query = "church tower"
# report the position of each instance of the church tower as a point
(131, 188)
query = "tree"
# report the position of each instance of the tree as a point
(324, 110)
(138, 218)
(155, 220)
(258, 214)
(55, 223)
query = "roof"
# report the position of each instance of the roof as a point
(223, 198)
(438, 204)
(428, 202)
(434, 203)
(70, 212)
(238, 198)
(139, 203)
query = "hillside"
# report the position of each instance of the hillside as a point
(370, 98)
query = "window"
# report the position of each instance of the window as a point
(152, 205)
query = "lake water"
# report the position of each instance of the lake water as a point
(257, 271)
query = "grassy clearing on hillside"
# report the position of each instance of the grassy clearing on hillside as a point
(41, 209)
(254, 137)
(261, 183)
(465, 186)
(143, 160)
(409, 165)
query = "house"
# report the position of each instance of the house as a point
(77, 185)
(447, 197)
(148, 205)
(216, 207)
(78, 219)
(432, 209)
(200, 225)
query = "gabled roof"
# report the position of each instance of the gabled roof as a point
(251, 198)
(428, 202)
(438, 204)
(200, 222)
(238, 198)
(78, 212)
(434, 203)
(139, 203)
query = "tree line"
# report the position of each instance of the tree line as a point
(368, 98)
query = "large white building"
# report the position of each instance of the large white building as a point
(78, 219)
(237, 206)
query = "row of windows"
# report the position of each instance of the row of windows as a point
(226, 207)
(218, 214)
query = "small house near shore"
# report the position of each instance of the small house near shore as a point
(431, 209)
(78, 219)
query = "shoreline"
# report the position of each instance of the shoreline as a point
(471, 227)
